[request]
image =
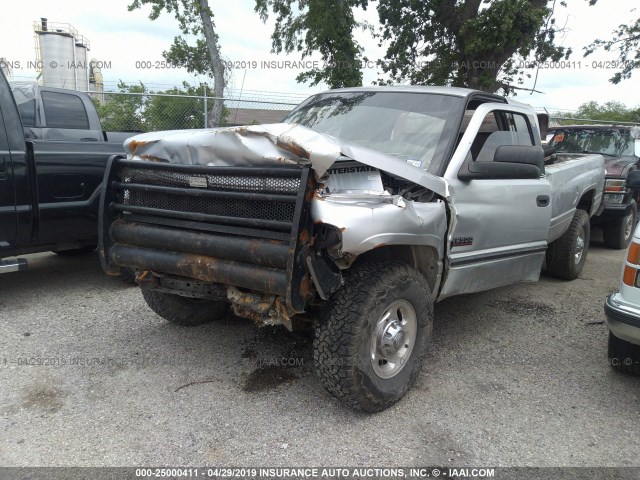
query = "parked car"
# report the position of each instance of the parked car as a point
(354, 216)
(49, 113)
(617, 144)
(622, 311)
(50, 178)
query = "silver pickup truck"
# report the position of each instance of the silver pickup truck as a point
(355, 215)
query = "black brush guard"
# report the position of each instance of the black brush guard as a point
(246, 227)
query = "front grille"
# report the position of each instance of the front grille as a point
(248, 183)
(221, 206)
(254, 197)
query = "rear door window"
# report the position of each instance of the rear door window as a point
(64, 111)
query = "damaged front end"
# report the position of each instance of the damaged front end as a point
(264, 217)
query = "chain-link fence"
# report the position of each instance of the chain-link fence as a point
(147, 112)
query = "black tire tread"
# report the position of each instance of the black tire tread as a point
(337, 333)
(184, 311)
(560, 262)
(624, 356)
(612, 233)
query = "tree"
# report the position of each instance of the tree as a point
(323, 26)
(608, 112)
(122, 111)
(626, 42)
(174, 109)
(194, 18)
(480, 44)
(136, 108)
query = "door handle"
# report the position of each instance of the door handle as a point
(542, 200)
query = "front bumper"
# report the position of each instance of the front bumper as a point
(611, 212)
(226, 228)
(622, 319)
(616, 211)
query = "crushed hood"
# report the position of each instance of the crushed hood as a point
(272, 144)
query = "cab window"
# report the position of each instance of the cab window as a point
(64, 111)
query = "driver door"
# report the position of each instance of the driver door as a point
(499, 235)
(8, 215)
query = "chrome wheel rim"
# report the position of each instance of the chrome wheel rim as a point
(394, 336)
(580, 243)
(628, 226)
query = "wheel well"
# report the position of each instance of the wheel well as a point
(421, 257)
(586, 201)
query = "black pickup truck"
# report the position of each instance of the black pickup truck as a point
(50, 172)
(621, 157)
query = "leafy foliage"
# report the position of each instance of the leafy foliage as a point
(194, 18)
(607, 112)
(323, 26)
(167, 110)
(169, 113)
(480, 44)
(625, 42)
(119, 113)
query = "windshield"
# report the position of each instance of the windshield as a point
(415, 127)
(608, 141)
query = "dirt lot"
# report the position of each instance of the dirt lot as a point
(517, 376)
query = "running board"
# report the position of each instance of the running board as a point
(15, 265)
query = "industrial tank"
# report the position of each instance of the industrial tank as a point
(57, 50)
(82, 75)
(62, 55)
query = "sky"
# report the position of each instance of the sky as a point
(129, 41)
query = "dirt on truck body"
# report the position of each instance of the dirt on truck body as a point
(356, 214)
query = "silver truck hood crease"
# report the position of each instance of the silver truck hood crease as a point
(273, 144)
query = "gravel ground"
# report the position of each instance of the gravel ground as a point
(517, 376)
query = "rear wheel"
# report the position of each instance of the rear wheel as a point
(567, 255)
(370, 342)
(618, 233)
(184, 311)
(624, 356)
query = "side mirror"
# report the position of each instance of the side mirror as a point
(525, 154)
(509, 162)
(633, 178)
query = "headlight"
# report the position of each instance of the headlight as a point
(613, 198)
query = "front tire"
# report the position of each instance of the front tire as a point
(618, 233)
(624, 356)
(567, 255)
(184, 311)
(372, 336)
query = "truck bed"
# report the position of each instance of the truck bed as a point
(570, 176)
